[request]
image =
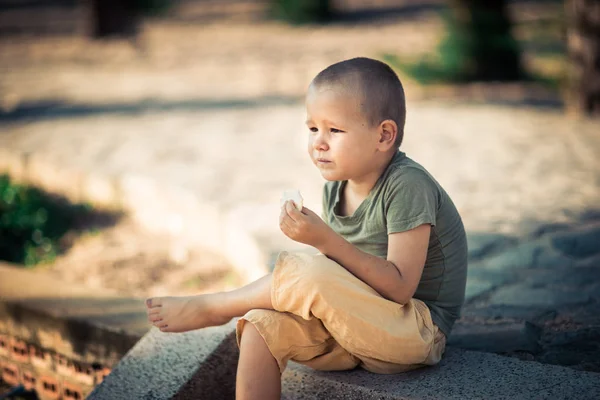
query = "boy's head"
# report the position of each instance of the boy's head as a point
(356, 114)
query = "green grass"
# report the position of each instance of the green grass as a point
(32, 223)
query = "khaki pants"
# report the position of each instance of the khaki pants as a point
(329, 320)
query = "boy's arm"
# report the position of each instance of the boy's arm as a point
(395, 279)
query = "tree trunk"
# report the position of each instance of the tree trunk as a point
(480, 44)
(114, 18)
(301, 11)
(583, 43)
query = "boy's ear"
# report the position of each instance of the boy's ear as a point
(388, 131)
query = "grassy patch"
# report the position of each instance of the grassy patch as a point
(34, 224)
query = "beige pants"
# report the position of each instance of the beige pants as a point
(329, 320)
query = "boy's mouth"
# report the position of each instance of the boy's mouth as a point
(323, 160)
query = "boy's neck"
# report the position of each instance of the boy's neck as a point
(363, 185)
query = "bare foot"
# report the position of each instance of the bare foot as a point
(186, 313)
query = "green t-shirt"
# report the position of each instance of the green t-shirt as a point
(404, 197)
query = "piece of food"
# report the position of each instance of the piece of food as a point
(293, 195)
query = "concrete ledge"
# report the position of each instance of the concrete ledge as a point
(201, 365)
(197, 364)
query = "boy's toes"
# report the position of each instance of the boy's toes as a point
(154, 302)
(154, 318)
(153, 311)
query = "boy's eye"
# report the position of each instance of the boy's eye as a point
(313, 129)
(334, 130)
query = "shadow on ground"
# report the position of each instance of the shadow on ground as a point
(54, 109)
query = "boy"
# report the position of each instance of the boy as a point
(389, 281)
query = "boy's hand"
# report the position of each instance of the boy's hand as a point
(304, 226)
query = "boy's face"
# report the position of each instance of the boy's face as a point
(341, 143)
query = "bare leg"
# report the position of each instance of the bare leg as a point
(185, 313)
(258, 374)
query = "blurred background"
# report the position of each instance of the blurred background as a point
(144, 144)
(113, 104)
(248, 48)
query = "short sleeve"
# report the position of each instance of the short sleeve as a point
(411, 201)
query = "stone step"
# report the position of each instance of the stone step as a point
(202, 365)
(496, 338)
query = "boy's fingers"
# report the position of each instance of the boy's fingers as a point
(284, 226)
(307, 211)
(292, 211)
(284, 216)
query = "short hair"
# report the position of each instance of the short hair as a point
(379, 86)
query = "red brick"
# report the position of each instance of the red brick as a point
(4, 345)
(10, 373)
(29, 380)
(19, 351)
(48, 388)
(72, 391)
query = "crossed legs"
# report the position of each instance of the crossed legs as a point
(310, 310)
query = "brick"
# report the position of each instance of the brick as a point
(4, 346)
(11, 373)
(29, 380)
(48, 388)
(40, 359)
(84, 374)
(72, 391)
(19, 351)
(63, 366)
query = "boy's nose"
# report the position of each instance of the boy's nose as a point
(320, 144)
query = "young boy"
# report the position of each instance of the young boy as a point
(389, 281)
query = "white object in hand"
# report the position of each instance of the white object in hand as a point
(293, 195)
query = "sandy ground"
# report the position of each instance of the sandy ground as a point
(138, 263)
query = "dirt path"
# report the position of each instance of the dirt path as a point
(137, 263)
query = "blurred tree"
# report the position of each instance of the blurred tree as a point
(114, 18)
(479, 44)
(121, 18)
(583, 42)
(301, 11)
